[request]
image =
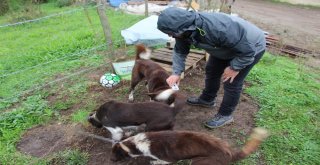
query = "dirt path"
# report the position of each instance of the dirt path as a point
(296, 25)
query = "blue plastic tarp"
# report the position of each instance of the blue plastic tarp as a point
(116, 3)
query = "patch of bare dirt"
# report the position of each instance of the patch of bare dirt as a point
(43, 140)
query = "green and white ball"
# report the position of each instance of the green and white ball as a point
(109, 80)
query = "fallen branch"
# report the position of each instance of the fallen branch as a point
(97, 137)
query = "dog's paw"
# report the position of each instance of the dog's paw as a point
(131, 99)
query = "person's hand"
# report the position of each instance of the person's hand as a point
(229, 74)
(173, 79)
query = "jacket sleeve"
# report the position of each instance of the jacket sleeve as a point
(180, 52)
(245, 53)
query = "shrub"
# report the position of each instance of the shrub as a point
(62, 3)
(27, 12)
(4, 7)
(40, 1)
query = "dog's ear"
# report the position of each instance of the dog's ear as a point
(118, 153)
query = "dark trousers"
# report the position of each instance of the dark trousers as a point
(214, 70)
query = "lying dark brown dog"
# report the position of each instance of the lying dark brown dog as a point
(144, 68)
(166, 147)
(156, 116)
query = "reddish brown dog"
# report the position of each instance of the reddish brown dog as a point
(167, 147)
(144, 68)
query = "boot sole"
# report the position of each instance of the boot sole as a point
(212, 127)
(202, 105)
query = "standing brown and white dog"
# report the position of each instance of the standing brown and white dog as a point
(171, 146)
(144, 68)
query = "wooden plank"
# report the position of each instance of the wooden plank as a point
(166, 58)
(196, 55)
(169, 60)
(169, 67)
(201, 52)
(193, 53)
(166, 54)
(163, 57)
(189, 57)
(191, 50)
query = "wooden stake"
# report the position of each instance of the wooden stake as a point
(105, 24)
(146, 11)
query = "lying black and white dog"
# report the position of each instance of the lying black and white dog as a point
(156, 116)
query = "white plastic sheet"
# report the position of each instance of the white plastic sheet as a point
(146, 32)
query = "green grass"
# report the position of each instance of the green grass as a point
(69, 157)
(288, 94)
(56, 42)
(34, 110)
(40, 42)
(80, 116)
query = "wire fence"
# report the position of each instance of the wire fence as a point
(38, 87)
(48, 16)
(55, 60)
(47, 81)
(61, 58)
(51, 82)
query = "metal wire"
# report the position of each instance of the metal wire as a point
(45, 17)
(47, 84)
(58, 59)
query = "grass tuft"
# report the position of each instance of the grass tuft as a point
(290, 104)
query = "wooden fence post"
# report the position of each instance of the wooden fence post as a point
(105, 24)
(146, 10)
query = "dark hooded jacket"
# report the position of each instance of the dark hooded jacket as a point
(222, 36)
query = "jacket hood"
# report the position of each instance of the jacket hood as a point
(177, 21)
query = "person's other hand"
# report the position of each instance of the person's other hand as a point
(229, 74)
(171, 80)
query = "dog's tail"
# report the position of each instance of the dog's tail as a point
(142, 52)
(173, 98)
(256, 138)
(178, 102)
(163, 95)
